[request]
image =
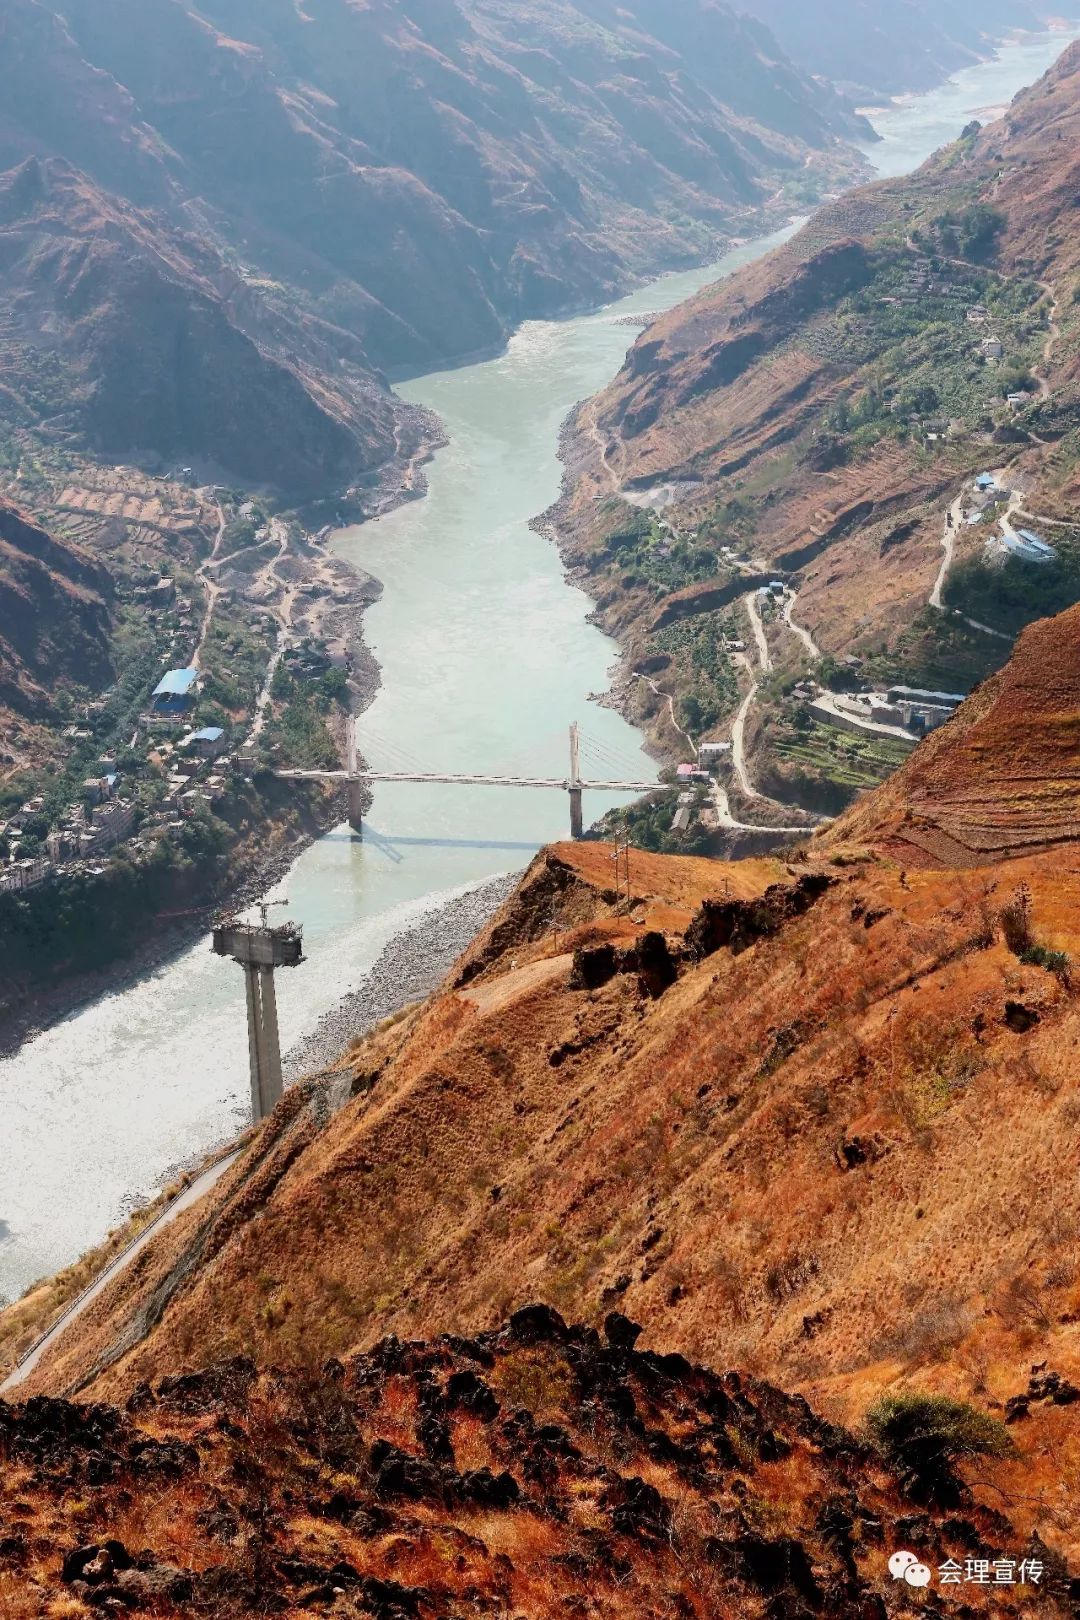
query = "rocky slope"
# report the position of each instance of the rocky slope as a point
(54, 612)
(815, 1120)
(537, 1469)
(818, 419)
(54, 625)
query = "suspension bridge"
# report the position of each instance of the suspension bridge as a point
(358, 778)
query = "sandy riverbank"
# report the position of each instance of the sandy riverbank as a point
(410, 967)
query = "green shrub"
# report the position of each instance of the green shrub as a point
(925, 1436)
(1059, 962)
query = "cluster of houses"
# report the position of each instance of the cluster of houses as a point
(86, 831)
(920, 280)
(1025, 544)
(196, 770)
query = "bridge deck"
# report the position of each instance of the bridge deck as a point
(563, 783)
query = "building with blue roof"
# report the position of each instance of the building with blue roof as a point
(176, 691)
(209, 742)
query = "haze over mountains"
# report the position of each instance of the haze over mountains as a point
(260, 207)
(873, 49)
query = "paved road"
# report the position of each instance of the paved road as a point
(198, 1189)
(877, 727)
(205, 575)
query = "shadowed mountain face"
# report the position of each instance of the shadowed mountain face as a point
(54, 615)
(118, 334)
(329, 191)
(536, 1470)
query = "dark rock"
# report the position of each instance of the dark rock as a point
(621, 1333)
(638, 1510)
(1020, 1018)
(656, 967)
(468, 1390)
(484, 1489)
(738, 924)
(398, 1475)
(160, 1581)
(96, 1563)
(538, 1324)
(594, 966)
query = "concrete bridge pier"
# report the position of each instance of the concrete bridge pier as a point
(577, 813)
(356, 806)
(260, 950)
(264, 1049)
(356, 785)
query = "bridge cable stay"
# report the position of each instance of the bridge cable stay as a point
(613, 760)
(609, 749)
(368, 735)
(399, 759)
(603, 756)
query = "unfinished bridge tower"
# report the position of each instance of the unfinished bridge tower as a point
(261, 950)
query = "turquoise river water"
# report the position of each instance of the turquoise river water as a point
(487, 657)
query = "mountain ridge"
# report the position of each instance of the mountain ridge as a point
(775, 1187)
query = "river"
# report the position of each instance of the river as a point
(487, 658)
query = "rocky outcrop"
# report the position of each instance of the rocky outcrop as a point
(538, 1467)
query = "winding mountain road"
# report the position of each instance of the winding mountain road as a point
(764, 656)
(953, 520)
(205, 575)
(659, 692)
(799, 630)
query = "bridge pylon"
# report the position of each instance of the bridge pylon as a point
(356, 785)
(577, 808)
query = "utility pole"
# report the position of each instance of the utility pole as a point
(260, 949)
(577, 813)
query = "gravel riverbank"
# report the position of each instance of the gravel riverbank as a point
(411, 966)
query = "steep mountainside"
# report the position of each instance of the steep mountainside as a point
(537, 1470)
(418, 177)
(818, 420)
(54, 617)
(816, 1120)
(1003, 778)
(122, 335)
(908, 45)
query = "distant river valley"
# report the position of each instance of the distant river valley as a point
(487, 657)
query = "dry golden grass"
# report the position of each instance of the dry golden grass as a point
(830, 1159)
